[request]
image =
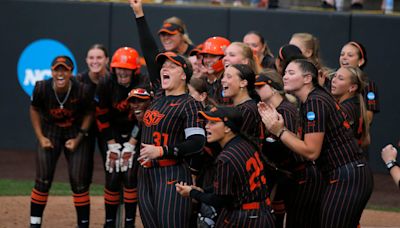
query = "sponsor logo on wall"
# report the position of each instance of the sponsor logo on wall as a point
(34, 64)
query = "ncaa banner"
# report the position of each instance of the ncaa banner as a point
(34, 64)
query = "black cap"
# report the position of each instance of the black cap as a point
(264, 79)
(229, 115)
(64, 61)
(171, 28)
(177, 59)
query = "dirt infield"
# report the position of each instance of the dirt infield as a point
(14, 211)
(60, 213)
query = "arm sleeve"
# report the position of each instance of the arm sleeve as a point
(150, 51)
(217, 201)
(194, 133)
(191, 146)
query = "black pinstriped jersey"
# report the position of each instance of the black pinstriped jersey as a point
(320, 113)
(85, 79)
(351, 107)
(240, 173)
(113, 113)
(169, 120)
(77, 105)
(371, 97)
(251, 126)
(273, 148)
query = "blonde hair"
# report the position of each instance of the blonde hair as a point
(178, 21)
(357, 77)
(312, 43)
(248, 54)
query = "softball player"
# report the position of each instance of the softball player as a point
(354, 54)
(261, 51)
(238, 85)
(170, 133)
(269, 87)
(212, 54)
(347, 86)
(97, 62)
(327, 140)
(115, 121)
(61, 113)
(240, 53)
(174, 37)
(239, 182)
(294, 191)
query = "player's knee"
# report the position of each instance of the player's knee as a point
(42, 185)
(78, 188)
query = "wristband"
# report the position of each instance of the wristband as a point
(281, 133)
(390, 164)
(83, 132)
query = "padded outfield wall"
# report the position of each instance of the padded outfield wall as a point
(77, 25)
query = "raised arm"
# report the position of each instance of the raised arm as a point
(147, 42)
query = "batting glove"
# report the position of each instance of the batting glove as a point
(127, 156)
(113, 157)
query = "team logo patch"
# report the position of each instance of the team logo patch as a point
(152, 117)
(371, 96)
(310, 116)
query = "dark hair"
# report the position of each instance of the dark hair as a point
(287, 53)
(361, 52)
(267, 51)
(307, 67)
(101, 47)
(246, 73)
(199, 84)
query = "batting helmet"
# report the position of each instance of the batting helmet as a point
(215, 45)
(125, 57)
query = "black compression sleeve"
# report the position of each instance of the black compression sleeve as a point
(192, 145)
(150, 50)
(217, 201)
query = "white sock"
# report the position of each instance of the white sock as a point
(36, 220)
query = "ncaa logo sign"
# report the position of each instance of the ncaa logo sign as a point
(371, 96)
(311, 116)
(34, 64)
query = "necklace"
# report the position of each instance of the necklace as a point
(65, 98)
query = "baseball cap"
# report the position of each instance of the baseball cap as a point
(171, 28)
(140, 93)
(64, 61)
(196, 50)
(177, 59)
(289, 52)
(264, 79)
(229, 115)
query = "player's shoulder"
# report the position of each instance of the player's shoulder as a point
(286, 107)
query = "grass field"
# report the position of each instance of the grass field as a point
(23, 188)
